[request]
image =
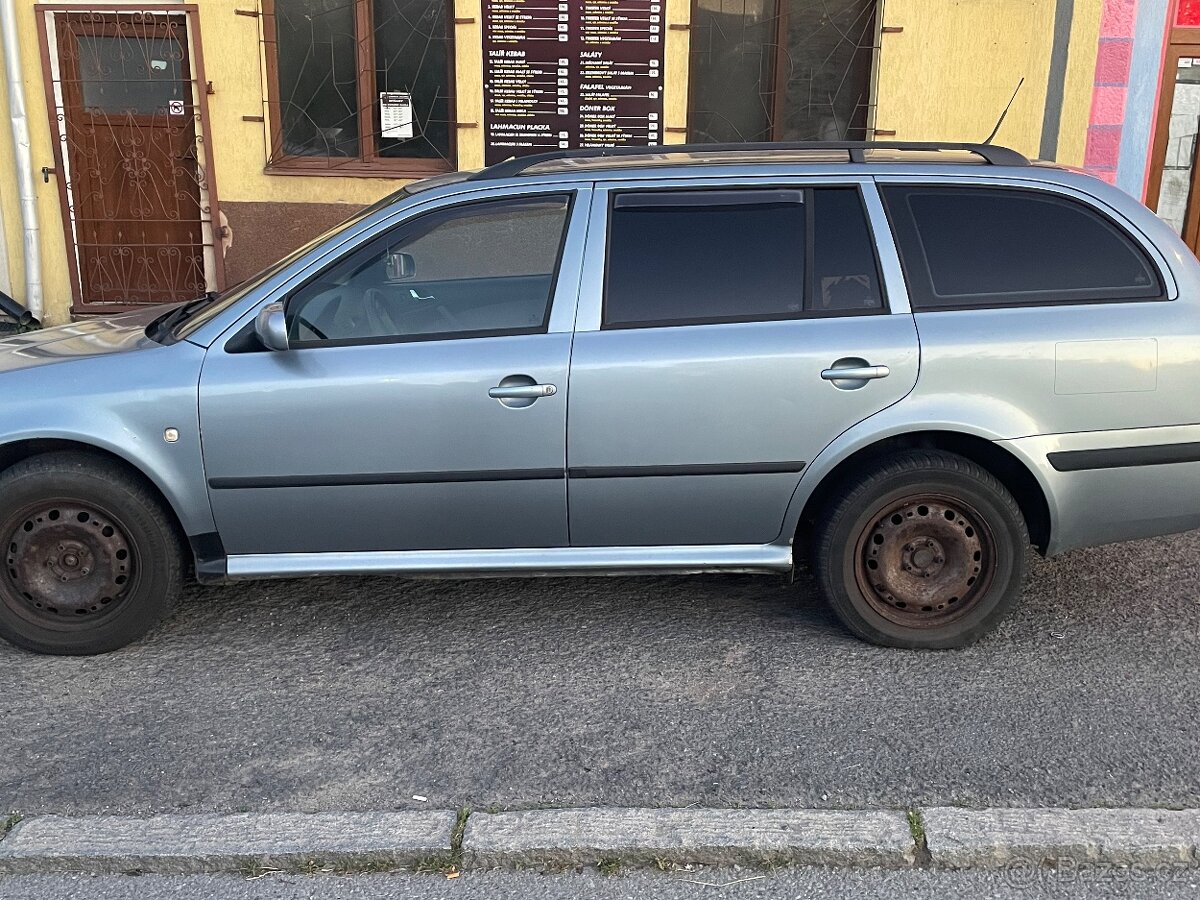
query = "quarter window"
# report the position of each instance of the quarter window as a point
(970, 247)
(468, 271)
(846, 277)
(704, 257)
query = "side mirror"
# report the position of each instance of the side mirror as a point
(271, 327)
(400, 266)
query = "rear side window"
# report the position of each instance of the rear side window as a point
(703, 257)
(981, 247)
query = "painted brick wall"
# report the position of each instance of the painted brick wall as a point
(1111, 88)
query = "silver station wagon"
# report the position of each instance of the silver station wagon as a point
(902, 364)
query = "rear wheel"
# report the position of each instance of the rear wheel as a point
(91, 560)
(925, 550)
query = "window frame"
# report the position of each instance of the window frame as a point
(385, 237)
(920, 284)
(368, 163)
(809, 286)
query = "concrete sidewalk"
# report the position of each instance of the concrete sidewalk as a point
(608, 838)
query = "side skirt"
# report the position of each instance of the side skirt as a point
(549, 561)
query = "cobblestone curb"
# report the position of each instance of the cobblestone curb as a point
(962, 838)
(947, 837)
(173, 845)
(708, 836)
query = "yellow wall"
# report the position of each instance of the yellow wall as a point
(675, 72)
(1081, 75)
(10, 211)
(950, 73)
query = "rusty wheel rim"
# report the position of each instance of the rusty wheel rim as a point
(924, 561)
(67, 564)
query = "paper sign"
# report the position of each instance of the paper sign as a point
(395, 114)
(175, 107)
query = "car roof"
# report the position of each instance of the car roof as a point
(709, 160)
(748, 154)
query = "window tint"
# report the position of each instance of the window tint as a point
(695, 257)
(705, 256)
(846, 274)
(995, 247)
(482, 268)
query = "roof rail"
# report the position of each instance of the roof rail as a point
(990, 153)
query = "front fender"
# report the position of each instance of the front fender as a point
(121, 403)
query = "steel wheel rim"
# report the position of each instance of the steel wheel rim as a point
(67, 564)
(925, 560)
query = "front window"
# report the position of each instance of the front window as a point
(479, 269)
(361, 85)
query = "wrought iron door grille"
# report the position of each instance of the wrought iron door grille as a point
(132, 156)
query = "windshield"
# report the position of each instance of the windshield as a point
(207, 312)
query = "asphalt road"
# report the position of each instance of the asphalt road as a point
(802, 884)
(720, 691)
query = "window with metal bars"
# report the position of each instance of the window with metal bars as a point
(360, 86)
(781, 70)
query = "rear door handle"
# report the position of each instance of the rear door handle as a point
(856, 373)
(522, 391)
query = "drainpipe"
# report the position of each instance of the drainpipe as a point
(16, 311)
(5, 271)
(20, 133)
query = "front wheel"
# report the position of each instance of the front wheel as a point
(925, 550)
(91, 559)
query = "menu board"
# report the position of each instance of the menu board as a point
(579, 73)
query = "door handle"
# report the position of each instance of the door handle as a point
(856, 373)
(522, 391)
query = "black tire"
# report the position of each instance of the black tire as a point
(924, 550)
(92, 561)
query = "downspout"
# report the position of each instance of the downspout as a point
(20, 133)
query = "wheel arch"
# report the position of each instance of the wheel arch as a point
(1013, 472)
(16, 451)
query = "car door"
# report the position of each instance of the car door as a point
(421, 404)
(726, 335)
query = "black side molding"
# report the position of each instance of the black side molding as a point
(286, 481)
(770, 468)
(1124, 457)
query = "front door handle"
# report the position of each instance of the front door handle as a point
(856, 373)
(522, 391)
